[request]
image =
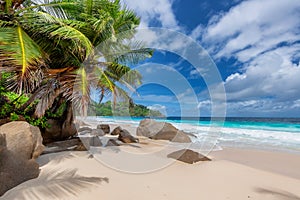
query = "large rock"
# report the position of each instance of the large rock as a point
(85, 129)
(112, 142)
(23, 139)
(105, 128)
(188, 156)
(52, 131)
(161, 131)
(58, 131)
(14, 169)
(126, 137)
(97, 132)
(116, 131)
(66, 145)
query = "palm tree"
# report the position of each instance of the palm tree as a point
(43, 45)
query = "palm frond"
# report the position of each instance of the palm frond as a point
(55, 7)
(54, 184)
(55, 34)
(48, 93)
(76, 37)
(126, 21)
(22, 56)
(81, 96)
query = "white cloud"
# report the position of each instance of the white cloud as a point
(235, 76)
(296, 104)
(205, 103)
(263, 36)
(271, 75)
(157, 107)
(253, 27)
(197, 32)
(156, 98)
(158, 10)
(255, 13)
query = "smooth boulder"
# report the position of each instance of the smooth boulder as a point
(116, 131)
(105, 128)
(58, 130)
(97, 132)
(126, 137)
(112, 142)
(188, 156)
(14, 168)
(66, 145)
(161, 131)
(85, 129)
(23, 139)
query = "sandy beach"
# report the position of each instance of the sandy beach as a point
(235, 174)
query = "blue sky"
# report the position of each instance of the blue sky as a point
(255, 45)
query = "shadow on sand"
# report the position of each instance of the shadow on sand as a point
(280, 194)
(53, 184)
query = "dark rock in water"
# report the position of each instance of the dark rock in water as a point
(14, 168)
(85, 129)
(125, 137)
(105, 128)
(188, 156)
(116, 131)
(23, 139)
(97, 132)
(161, 131)
(112, 142)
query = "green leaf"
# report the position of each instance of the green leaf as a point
(21, 54)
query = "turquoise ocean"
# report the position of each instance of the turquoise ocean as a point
(280, 134)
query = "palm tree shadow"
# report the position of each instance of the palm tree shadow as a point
(54, 158)
(54, 184)
(282, 195)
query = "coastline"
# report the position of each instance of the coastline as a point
(222, 178)
(233, 173)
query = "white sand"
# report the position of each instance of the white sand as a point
(223, 178)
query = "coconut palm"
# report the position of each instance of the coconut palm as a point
(44, 45)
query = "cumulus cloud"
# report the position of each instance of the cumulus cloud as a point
(154, 10)
(263, 36)
(157, 107)
(254, 24)
(270, 75)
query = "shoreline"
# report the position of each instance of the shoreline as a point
(221, 143)
(233, 173)
(226, 138)
(225, 177)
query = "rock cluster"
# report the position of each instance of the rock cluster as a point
(94, 136)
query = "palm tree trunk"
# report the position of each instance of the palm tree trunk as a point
(32, 98)
(68, 126)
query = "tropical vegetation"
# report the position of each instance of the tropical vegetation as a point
(121, 109)
(53, 54)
